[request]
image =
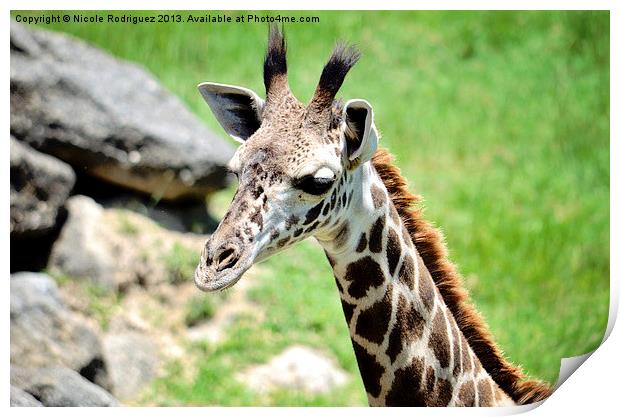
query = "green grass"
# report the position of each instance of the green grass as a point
(499, 119)
(101, 303)
(180, 263)
(199, 308)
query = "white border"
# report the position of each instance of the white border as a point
(592, 388)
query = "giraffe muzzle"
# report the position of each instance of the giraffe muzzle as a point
(221, 267)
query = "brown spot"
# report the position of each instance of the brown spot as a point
(372, 323)
(427, 288)
(283, 241)
(408, 327)
(405, 391)
(363, 274)
(275, 234)
(325, 209)
(375, 240)
(257, 218)
(313, 213)
(406, 272)
(348, 310)
(431, 380)
(370, 370)
(438, 340)
(485, 395)
(257, 191)
(361, 246)
(442, 394)
(393, 250)
(312, 227)
(378, 196)
(467, 396)
(291, 221)
(465, 357)
(343, 235)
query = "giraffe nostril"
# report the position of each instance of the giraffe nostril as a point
(226, 258)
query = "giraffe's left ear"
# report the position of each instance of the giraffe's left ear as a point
(239, 110)
(360, 131)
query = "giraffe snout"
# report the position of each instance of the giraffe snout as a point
(222, 263)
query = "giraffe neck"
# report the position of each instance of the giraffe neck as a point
(408, 346)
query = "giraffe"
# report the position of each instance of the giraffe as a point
(317, 170)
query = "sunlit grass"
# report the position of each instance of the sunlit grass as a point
(500, 120)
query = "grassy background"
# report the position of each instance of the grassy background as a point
(501, 121)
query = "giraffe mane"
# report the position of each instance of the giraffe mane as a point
(430, 245)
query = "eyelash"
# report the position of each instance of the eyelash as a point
(312, 185)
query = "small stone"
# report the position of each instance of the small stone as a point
(297, 368)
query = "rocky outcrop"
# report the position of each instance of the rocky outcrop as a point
(40, 184)
(45, 333)
(116, 248)
(59, 387)
(109, 119)
(80, 251)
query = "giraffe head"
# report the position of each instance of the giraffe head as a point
(292, 164)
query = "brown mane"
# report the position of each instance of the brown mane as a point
(429, 243)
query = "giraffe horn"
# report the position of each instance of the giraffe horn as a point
(274, 67)
(340, 62)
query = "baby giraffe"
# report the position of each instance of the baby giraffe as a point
(316, 170)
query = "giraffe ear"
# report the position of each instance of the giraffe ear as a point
(237, 109)
(360, 132)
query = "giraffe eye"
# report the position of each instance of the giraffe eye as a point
(313, 185)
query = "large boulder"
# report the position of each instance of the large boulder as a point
(81, 250)
(60, 387)
(40, 184)
(109, 118)
(117, 248)
(45, 333)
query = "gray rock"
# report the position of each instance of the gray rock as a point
(80, 251)
(45, 333)
(296, 368)
(109, 118)
(20, 398)
(40, 184)
(117, 248)
(60, 387)
(132, 361)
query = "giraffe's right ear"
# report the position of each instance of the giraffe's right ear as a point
(360, 131)
(238, 109)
